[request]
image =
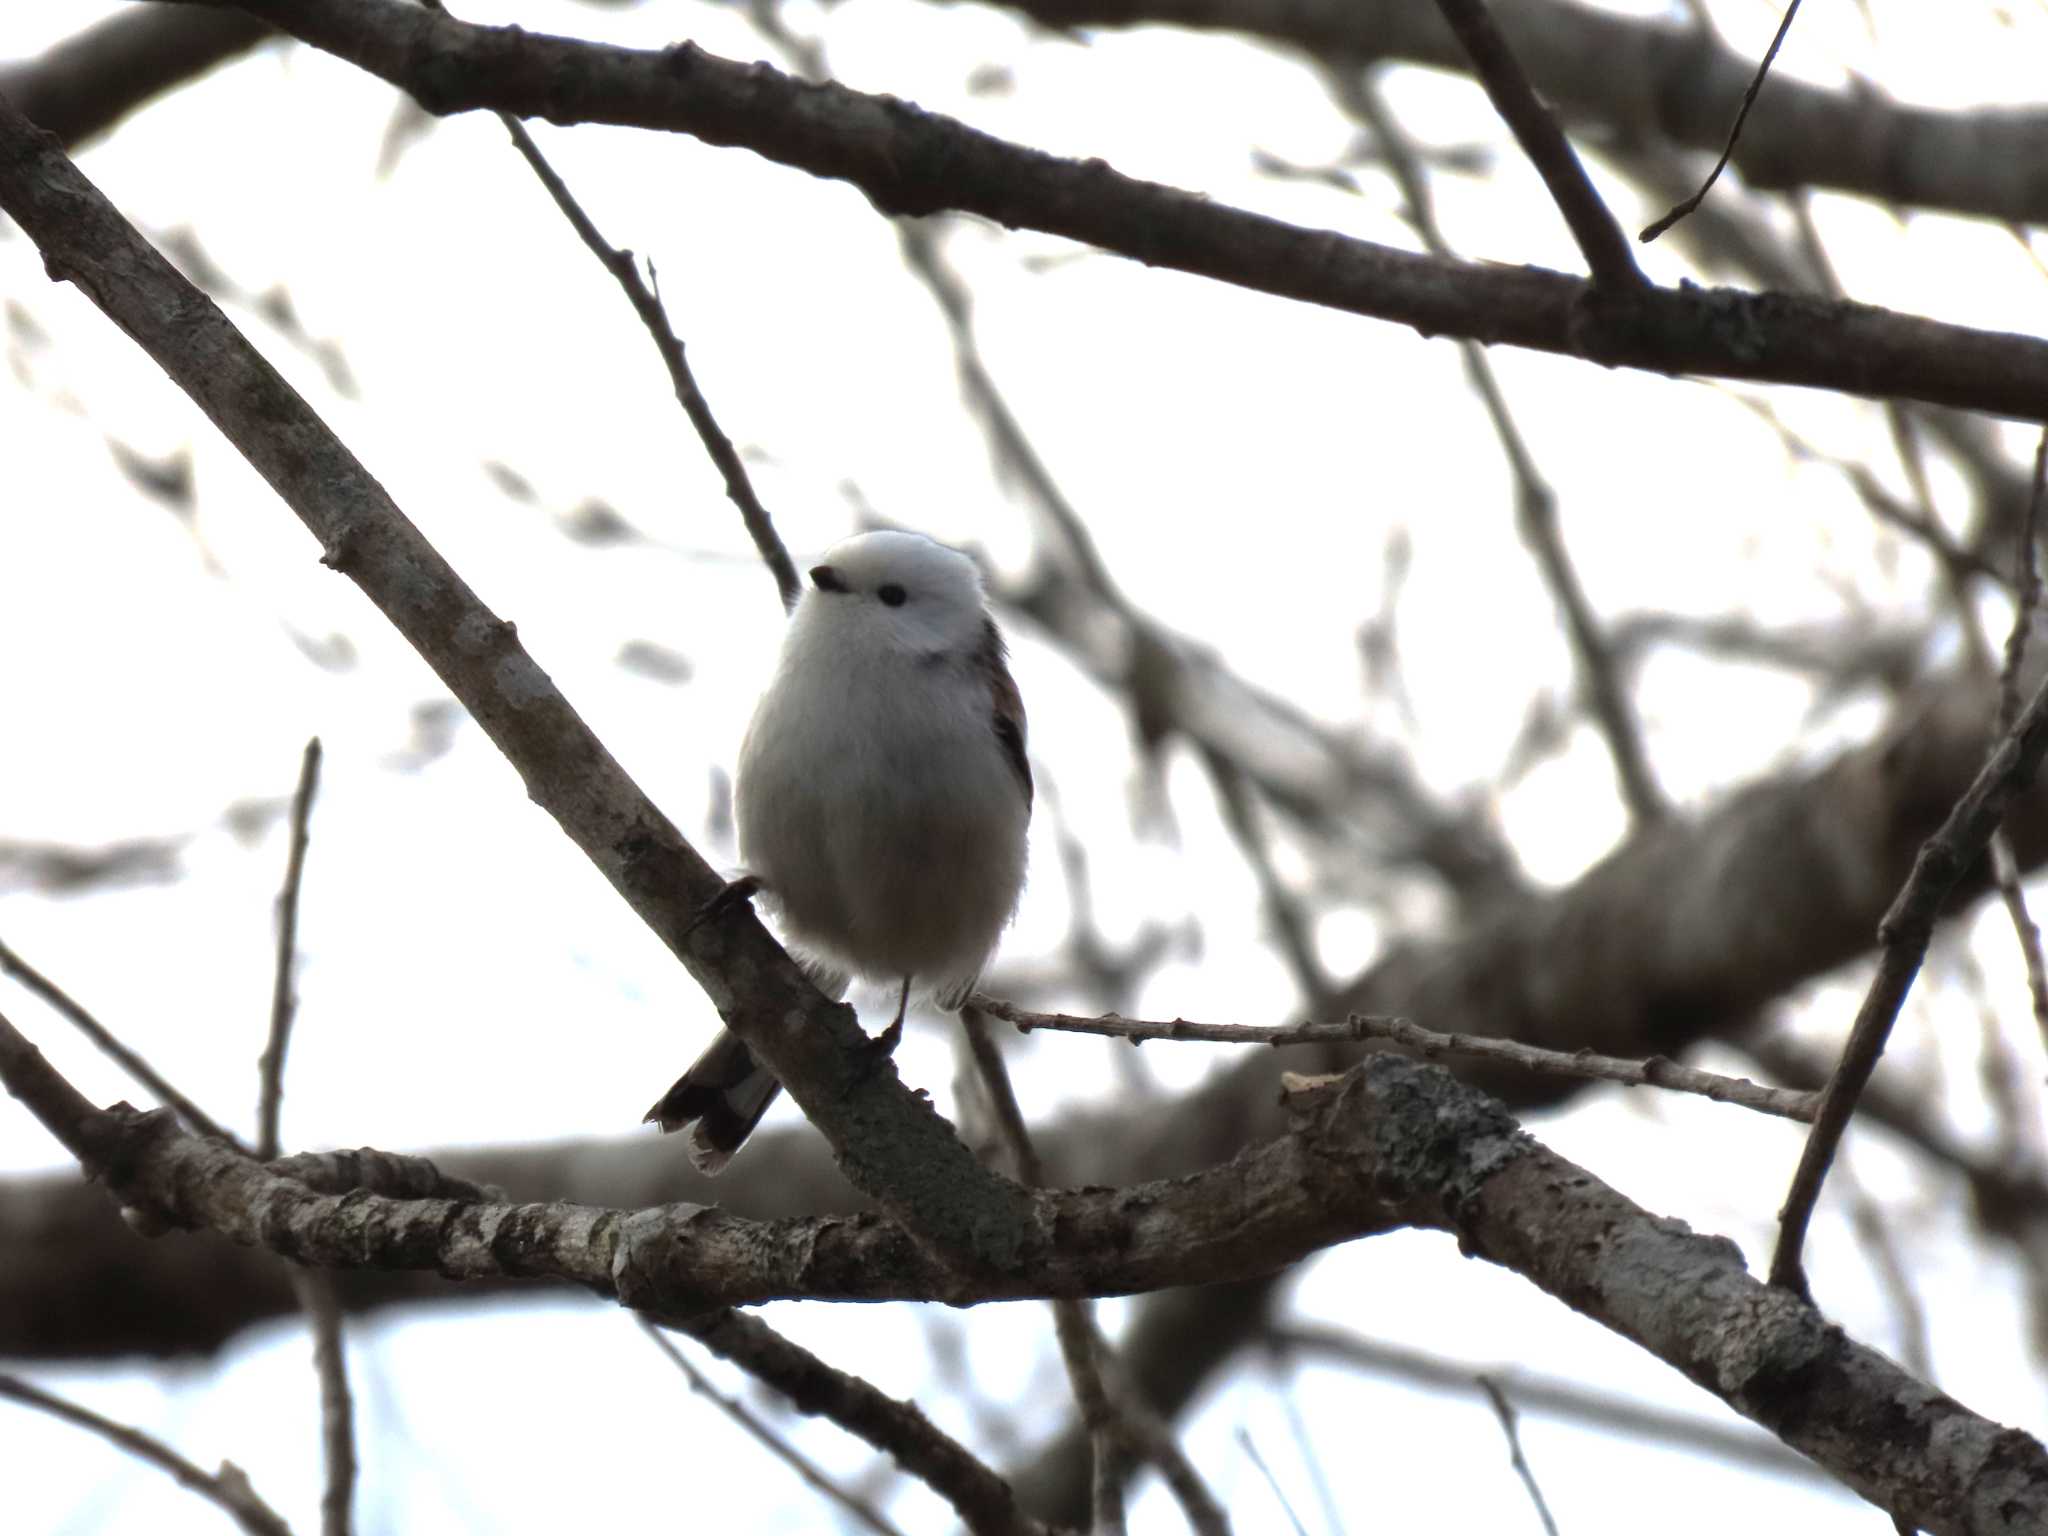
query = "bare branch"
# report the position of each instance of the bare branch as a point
(1390, 1142)
(1251, 1449)
(1656, 1071)
(983, 1500)
(315, 1292)
(11, 964)
(96, 77)
(1600, 239)
(739, 485)
(1535, 501)
(1071, 1321)
(2005, 866)
(1734, 132)
(911, 161)
(1117, 1421)
(228, 1488)
(776, 1444)
(283, 1003)
(1568, 1399)
(1904, 935)
(1506, 1414)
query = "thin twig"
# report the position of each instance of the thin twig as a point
(1505, 1412)
(1873, 1235)
(2004, 865)
(11, 964)
(1071, 1322)
(1600, 239)
(284, 1002)
(314, 1289)
(646, 302)
(1251, 1449)
(228, 1488)
(1735, 132)
(983, 1501)
(1326, 1496)
(1118, 1420)
(1535, 501)
(1283, 910)
(1904, 935)
(766, 1434)
(1652, 1072)
(1566, 1398)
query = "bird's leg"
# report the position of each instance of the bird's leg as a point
(885, 1043)
(735, 893)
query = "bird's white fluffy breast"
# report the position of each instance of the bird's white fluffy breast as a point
(874, 799)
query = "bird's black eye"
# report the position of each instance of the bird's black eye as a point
(826, 579)
(892, 595)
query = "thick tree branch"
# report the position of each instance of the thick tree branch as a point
(90, 81)
(911, 161)
(1390, 1143)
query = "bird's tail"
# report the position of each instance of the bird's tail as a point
(719, 1100)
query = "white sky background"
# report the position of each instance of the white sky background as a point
(1242, 462)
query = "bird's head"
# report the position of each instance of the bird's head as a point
(895, 591)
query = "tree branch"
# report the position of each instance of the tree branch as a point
(228, 1488)
(1904, 934)
(739, 485)
(1641, 79)
(1599, 237)
(90, 81)
(910, 161)
(109, 1044)
(766, 1435)
(1392, 1142)
(1658, 1071)
(283, 1002)
(891, 1143)
(983, 1500)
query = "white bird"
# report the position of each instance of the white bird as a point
(882, 799)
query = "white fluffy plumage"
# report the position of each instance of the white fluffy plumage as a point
(882, 798)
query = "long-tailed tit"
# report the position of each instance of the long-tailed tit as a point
(882, 800)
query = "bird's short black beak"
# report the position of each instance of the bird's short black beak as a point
(826, 579)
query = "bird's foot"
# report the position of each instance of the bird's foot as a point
(883, 1046)
(736, 893)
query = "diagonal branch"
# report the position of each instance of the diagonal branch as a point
(766, 1436)
(1600, 238)
(739, 485)
(228, 1488)
(891, 1143)
(1905, 933)
(1535, 501)
(982, 1500)
(11, 964)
